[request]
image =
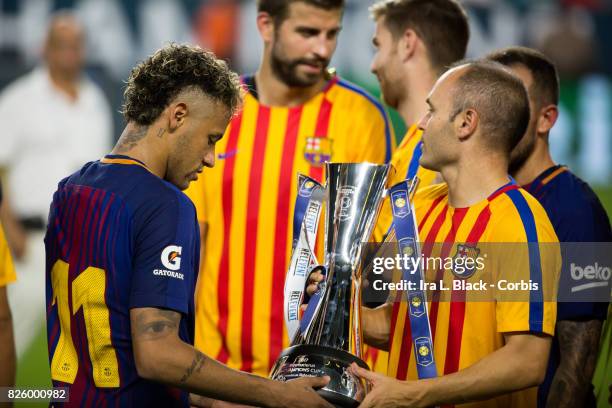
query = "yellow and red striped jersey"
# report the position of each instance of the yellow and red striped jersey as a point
(405, 156)
(7, 269)
(465, 330)
(247, 200)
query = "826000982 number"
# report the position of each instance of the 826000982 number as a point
(57, 394)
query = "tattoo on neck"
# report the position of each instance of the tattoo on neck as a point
(196, 366)
(130, 139)
(161, 132)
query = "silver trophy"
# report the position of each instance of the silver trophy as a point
(329, 337)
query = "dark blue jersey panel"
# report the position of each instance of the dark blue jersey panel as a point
(577, 216)
(118, 237)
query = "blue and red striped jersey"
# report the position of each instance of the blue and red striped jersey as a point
(577, 216)
(118, 238)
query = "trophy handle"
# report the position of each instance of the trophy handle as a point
(308, 205)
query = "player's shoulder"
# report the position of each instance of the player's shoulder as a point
(512, 200)
(406, 148)
(572, 194)
(575, 209)
(131, 182)
(516, 213)
(346, 93)
(156, 194)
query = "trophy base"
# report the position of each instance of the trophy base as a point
(345, 390)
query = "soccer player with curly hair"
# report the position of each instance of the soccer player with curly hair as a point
(123, 252)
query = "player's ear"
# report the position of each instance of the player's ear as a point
(178, 114)
(407, 44)
(546, 119)
(466, 123)
(265, 25)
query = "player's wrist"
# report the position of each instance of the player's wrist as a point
(422, 393)
(276, 395)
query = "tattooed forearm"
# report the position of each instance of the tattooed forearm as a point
(578, 346)
(196, 366)
(153, 324)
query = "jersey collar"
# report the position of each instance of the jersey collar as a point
(546, 176)
(122, 159)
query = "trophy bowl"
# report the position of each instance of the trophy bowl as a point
(344, 388)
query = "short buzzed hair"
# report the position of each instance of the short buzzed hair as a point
(160, 78)
(441, 24)
(499, 97)
(278, 9)
(545, 86)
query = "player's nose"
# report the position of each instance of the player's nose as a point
(374, 67)
(209, 158)
(422, 124)
(323, 48)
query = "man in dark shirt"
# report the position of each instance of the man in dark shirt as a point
(577, 216)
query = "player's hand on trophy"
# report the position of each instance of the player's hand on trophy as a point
(387, 392)
(301, 393)
(312, 285)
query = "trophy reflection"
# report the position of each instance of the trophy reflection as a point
(328, 337)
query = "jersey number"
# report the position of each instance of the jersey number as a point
(87, 292)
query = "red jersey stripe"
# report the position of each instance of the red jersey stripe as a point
(458, 217)
(227, 199)
(280, 236)
(250, 248)
(457, 308)
(402, 366)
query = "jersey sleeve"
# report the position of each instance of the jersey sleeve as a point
(376, 137)
(7, 269)
(166, 255)
(584, 220)
(527, 262)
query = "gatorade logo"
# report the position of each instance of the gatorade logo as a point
(171, 257)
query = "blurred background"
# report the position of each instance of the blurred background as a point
(575, 34)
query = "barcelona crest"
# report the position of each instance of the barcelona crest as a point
(461, 268)
(318, 150)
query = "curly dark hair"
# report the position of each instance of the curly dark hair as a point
(156, 81)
